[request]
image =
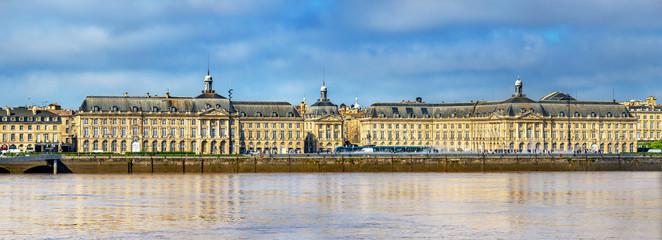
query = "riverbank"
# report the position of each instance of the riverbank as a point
(390, 163)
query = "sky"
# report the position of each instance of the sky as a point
(58, 51)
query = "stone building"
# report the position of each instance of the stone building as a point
(556, 122)
(206, 124)
(30, 129)
(649, 121)
(323, 125)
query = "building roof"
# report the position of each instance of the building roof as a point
(153, 104)
(26, 114)
(265, 109)
(508, 108)
(557, 96)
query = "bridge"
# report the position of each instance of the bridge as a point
(53, 160)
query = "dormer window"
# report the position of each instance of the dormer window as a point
(532, 110)
(623, 114)
(218, 106)
(274, 114)
(577, 114)
(242, 114)
(609, 114)
(258, 114)
(562, 114)
(290, 114)
(135, 109)
(173, 109)
(116, 109)
(97, 109)
(593, 114)
(155, 109)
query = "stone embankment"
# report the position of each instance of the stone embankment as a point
(389, 163)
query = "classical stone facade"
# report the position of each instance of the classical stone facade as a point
(649, 122)
(556, 122)
(205, 124)
(31, 129)
(323, 125)
(212, 124)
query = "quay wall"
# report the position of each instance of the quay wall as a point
(394, 163)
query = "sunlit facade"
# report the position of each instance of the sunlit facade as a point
(556, 122)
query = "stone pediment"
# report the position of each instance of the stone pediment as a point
(494, 116)
(214, 112)
(329, 118)
(530, 115)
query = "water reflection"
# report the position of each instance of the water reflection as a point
(334, 205)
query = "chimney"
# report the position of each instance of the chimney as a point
(126, 94)
(8, 111)
(34, 110)
(167, 95)
(147, 94)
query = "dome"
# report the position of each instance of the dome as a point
(518, 82)
(208, 78)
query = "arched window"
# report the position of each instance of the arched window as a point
(532, 110)
(593, 114)
(258, 114)
(155, 109)
(577, 114)
(274, 114)
(290, 114)
(135, 109)
(562, 114)
(97, 108)
(116, 109)
(242, 114)
(623, 114)
(173, 109)
(218, 106)
(609, 114)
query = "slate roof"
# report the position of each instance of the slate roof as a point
(265, 109)
(148, 104)
(508, 108)
(322, 108)
(557, 96)
(24, 112)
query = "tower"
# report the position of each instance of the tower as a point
(323, 92)
(208, 82)
(518, 87)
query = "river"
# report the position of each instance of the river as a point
(520, 205)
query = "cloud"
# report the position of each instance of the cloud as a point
(419, 15)
(276, 50)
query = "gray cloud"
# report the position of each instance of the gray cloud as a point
(394, 50)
